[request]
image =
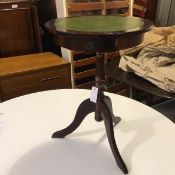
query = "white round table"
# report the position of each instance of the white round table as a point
(145, 138)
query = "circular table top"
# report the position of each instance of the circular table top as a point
(100, 25)
(145, 138)
(98, 33)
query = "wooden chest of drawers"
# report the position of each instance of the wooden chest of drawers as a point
(31, 73)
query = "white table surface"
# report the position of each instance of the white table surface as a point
(145, 138)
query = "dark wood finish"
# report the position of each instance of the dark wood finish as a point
(87, 107)
(135, 81)
(151, 9)
(83, 68)
(7, 4)
(77, 7)
(84, 74)
(46, 11)
(90, 6)
(103, 111)
(86, 85)
(99, 41)
(19, 28)
(84, 7)
(116, 5)
(70, 36)
(31, 73)
(119, 88)
(167, 109)
(84, 62)
(111, 84)
(36, 30)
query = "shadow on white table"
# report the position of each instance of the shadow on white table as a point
(145, 138)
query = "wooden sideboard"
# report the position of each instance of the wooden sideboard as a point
(31, 73)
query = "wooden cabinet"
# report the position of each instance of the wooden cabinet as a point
(31, 73)
(19, 28)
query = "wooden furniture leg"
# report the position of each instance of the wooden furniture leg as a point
(103, 111)
(108, 121)
(83, 110)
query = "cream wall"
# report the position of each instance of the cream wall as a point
(62, 12)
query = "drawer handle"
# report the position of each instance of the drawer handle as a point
(51, 78)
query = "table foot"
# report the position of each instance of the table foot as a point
(107, 116)
(108, 121)
(83, 110)
(108, 102)
(116, 120)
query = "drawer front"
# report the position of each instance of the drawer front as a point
(63, 82)
(14, 5)
(35, 77)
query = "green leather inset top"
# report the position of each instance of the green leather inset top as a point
(99, 23)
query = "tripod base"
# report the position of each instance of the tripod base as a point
(106, 113)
